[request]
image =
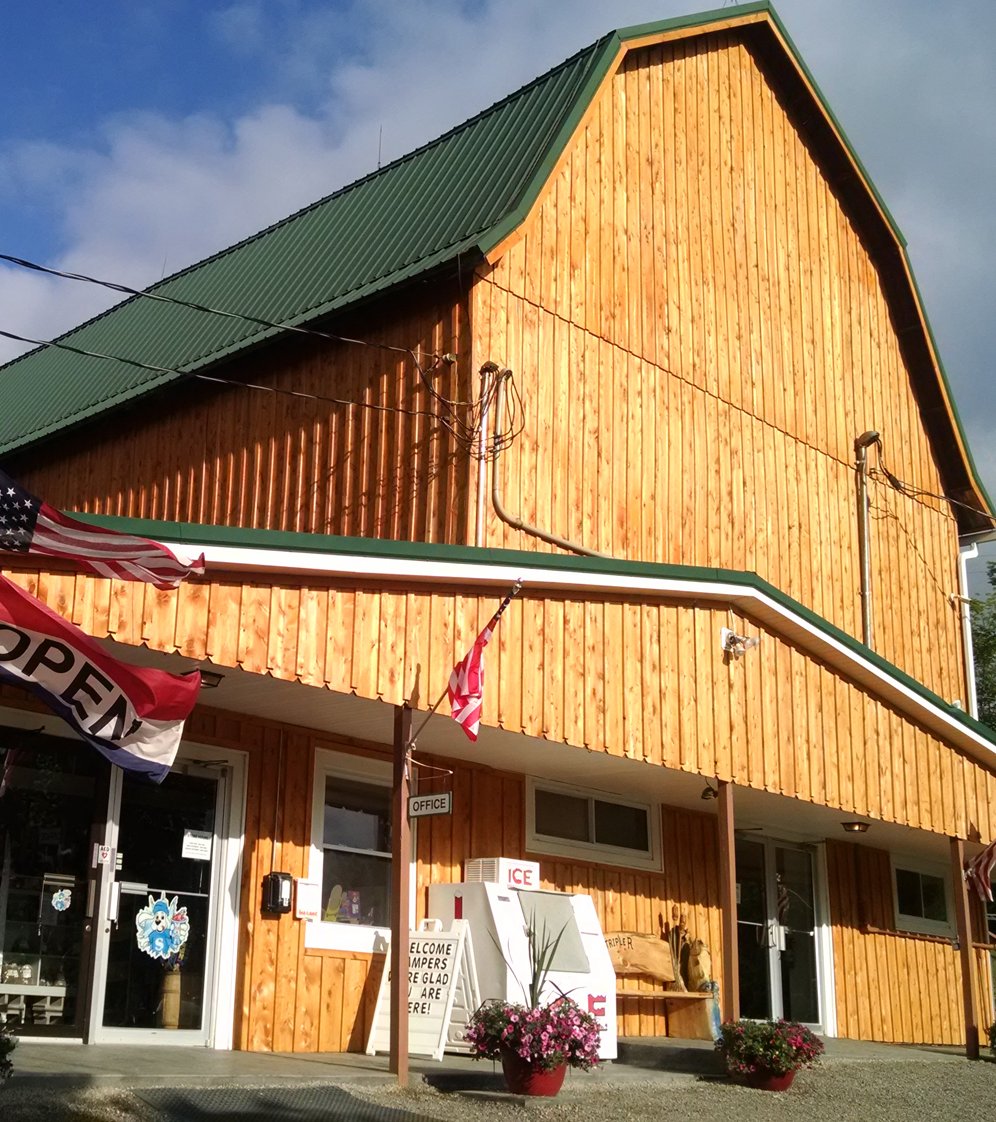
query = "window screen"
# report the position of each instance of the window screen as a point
(356, 872)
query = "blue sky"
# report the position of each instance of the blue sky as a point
(137, 138)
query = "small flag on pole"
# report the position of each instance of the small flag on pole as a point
(466, 689)
(133, 715)
(979, 872)
(29, 525)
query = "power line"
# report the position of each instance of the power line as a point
(465, 435)
(453, 412)
(917, 493)
(126, 290)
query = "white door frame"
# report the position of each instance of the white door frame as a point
(822, 935)
(217, 1028)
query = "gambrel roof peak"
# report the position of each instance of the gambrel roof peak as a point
(448, 205)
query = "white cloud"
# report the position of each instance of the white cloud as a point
(912, 84)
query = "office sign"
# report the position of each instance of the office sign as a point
(422, 806)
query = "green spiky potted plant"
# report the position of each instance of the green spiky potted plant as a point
(537, 1042)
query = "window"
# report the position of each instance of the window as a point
(351, 851)
(922, 899)
(592, 825)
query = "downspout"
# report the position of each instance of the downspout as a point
(488, 371)
(861, 446)
(511, 520)
(962, 599)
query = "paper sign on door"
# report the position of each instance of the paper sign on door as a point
(197, 844)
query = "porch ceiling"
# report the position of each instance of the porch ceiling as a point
(371, 722)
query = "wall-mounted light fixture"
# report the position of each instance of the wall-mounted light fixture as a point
(211, 679)
(855, 827)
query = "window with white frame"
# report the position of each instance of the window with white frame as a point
(591, 825)
(351, 850)
(922, 898)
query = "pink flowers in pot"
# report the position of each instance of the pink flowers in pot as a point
(545, 1036)
(775, 1047)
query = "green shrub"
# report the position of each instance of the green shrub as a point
(8, 1043)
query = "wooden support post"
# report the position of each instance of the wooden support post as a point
(965, 949)
(730, 986)
(401, 846)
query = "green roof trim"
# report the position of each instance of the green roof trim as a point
(447, 204)
(197, 537)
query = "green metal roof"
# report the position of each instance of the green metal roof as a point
(420, 212)
(454, 199)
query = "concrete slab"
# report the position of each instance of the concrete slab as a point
(163, 1066)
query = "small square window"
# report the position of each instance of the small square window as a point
(562, 816)
(621, 825)
(922, 901)
(571, 822)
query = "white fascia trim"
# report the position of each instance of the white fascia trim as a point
(754, 602)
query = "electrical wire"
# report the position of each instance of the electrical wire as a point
(464, 433)
(126, 290)
(911, 492)
(226, 381)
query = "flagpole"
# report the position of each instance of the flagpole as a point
(516, 588)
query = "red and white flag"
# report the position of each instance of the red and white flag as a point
(29, 525)
(466, 688)
(132, 715)
(979, 872)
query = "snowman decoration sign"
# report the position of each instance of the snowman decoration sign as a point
(162, 928)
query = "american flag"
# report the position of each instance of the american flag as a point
(979, 872)
(466, 689)
(29, 525)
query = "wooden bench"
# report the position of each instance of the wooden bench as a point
(687, 1017)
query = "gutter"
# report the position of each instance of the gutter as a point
(608, 577)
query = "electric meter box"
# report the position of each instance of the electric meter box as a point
(499, 917)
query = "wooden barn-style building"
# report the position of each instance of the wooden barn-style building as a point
(644, 337)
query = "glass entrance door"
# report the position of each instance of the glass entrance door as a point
(155, 945)
(777, 936)
(49, 788)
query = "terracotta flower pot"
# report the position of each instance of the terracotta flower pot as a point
(524, 1077)
(768, 1080)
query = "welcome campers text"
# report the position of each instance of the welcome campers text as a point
(70, 676)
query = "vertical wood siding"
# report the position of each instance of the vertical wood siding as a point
(699, 334)
(922, 1004)
(777, 720)
(625, 899)
(247, 457)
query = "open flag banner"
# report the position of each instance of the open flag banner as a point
(979, 872)
(29, 525)
(466, 689)
(132, 715)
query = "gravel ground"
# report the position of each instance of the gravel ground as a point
(954, 1091)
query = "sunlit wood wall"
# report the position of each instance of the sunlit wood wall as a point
(776, 721)
(699, 333)
(365, 455)
(892, 986)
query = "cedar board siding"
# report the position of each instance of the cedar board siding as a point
(638, 680)
(699, 334)
(921, 1003)
(219, 455)
(295, 999)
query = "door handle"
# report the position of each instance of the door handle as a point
(113, 902)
